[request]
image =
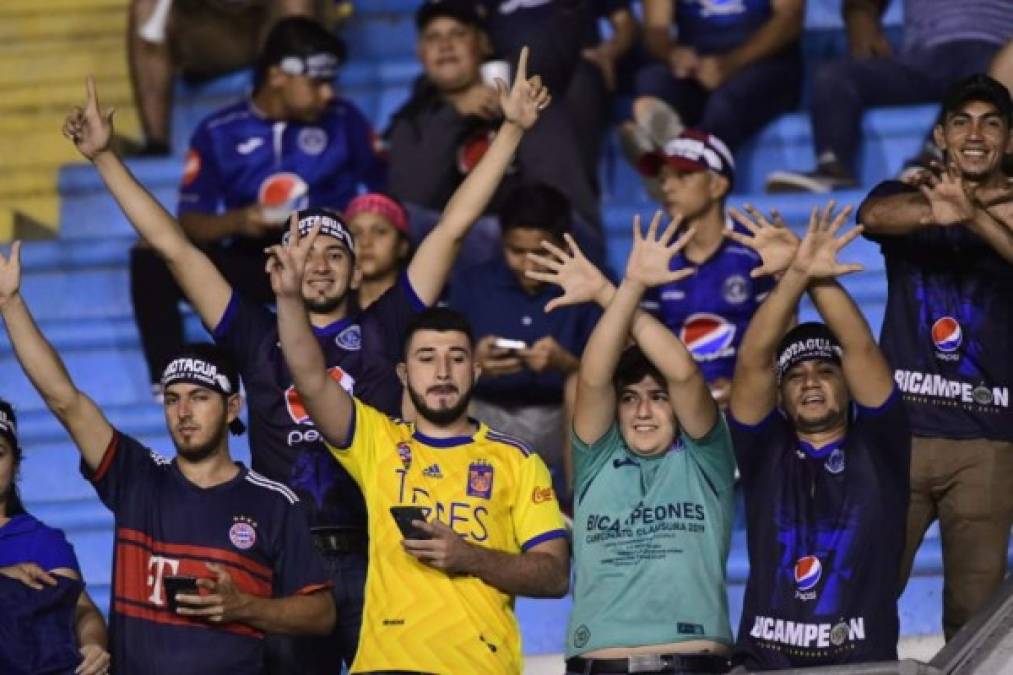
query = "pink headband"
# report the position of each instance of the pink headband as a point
(382, 205)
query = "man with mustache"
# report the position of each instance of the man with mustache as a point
(947, 330)
(440, 600)
(200, 515)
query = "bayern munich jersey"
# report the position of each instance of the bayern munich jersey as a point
(492, 490)
(238, 157)
(948, 329)
(360, 353)
(711, 309)
(825, 530)
(166, 525)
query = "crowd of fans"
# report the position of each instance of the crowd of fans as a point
(448, 367)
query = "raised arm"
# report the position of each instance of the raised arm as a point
(437, 253)
(688, 394)
(87, 425)
(91, 130)
(754, 387)
(328, 404)
(866, 371)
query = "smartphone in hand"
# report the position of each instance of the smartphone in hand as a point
(404, 515)
(178, 584)
(508, 343)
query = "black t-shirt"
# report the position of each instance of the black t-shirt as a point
(360, 353)
(825, 532)
(165, 525)
(948, 329)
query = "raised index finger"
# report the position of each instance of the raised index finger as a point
(92, 104)
(522, 65)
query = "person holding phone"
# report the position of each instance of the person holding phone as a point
(360, 348)
(525, 354)
(241, 536)
(655, 473)
(443, 604)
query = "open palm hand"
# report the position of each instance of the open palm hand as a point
(651, 254)
(817, 254)
(771, 239)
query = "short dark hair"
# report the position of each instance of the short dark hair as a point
(295, 36)
(978, 87)
(442, 319)
(538, 206)
(633, 366)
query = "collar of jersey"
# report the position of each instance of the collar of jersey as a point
(453, 441)
(214, 488)
(332, 328)
(819, 453)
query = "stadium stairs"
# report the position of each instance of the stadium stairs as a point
(46, 49)
(77, 284)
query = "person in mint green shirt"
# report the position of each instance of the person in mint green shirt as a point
(654, 475)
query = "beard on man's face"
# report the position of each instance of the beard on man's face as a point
(323, 305)
(440, 416)
(198, 453)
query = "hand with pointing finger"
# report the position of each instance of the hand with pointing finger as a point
(527, 97)
(89, 127)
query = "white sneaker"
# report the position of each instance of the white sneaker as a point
(817, 181)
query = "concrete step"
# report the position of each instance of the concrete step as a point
(47, 61)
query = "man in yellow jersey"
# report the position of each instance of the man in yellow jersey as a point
(440, 601)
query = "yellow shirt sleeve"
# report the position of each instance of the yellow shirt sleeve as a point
(536, 515)
(369, 428)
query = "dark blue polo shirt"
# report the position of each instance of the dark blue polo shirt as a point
(496, 304)
(825, 529)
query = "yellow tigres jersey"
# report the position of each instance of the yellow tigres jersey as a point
(488, 487)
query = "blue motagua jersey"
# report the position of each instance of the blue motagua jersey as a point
(360, 353)
(710, 309)
(239, 157)
(825, 532)
(948, 329)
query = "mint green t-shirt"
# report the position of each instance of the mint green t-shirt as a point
(651, 538)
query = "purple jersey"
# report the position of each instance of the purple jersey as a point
(711, 26)
(825, 531)
(360, 353)
(166, 525)
(710, 310)
(238, 157)
(948, 329)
